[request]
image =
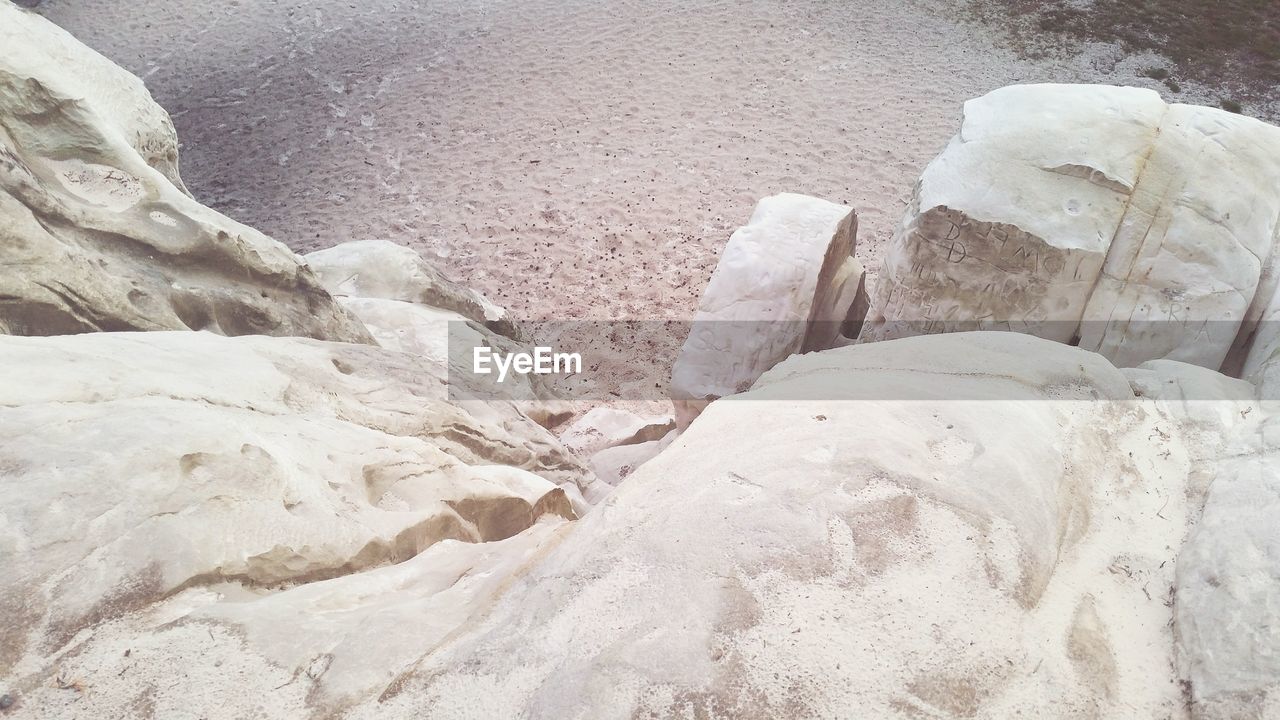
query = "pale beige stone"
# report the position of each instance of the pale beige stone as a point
(1092, 215)
(605, 427)
(785, 284)
(96, 231)
(797, 553)
(385, 270)
(612, 465)
(1228, 585)
(137, 465)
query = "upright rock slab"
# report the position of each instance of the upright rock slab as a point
(1095, 215)
(784, 284)
(97, 232)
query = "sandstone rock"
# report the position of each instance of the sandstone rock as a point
(1210, 410)
(1228, 586)
(614, 464)
(304, 651)
(50, 56)
(140, 465)
(383, 269)
(441, 336)
(1091, 214)
(784, 284)
(553, 413)
(979, 549)
(606, 427)
(406, 327)
(96, 232)
(1227, 590)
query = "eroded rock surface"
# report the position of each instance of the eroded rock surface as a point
(606, 427)
(141, 465)
(785, 283)
(983, 548)
(614, 464)
(96, 230)
(1228, 585)
(1096, 215)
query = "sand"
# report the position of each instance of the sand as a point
(571, 159)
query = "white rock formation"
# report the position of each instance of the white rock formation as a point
(138, 465)
(1228, 580)
(303, 651)
(445, 338)
(1145, 230)
(1228, 586)
(383, 269)
(36, 48)
(982, 547)
(1210, 409)
(96, 230)
(784, 284)
(612, 465)
(979, 525)
(605, 427)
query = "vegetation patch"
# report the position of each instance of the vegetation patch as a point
(1227, 43)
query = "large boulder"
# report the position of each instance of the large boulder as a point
(96, 230)
(1096, 215)
(138, 466)
(785, 284)
(987, 534)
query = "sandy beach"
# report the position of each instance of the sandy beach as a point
(570, 159)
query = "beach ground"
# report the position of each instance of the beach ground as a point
(571, 158)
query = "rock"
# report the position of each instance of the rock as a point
(96, 231)
(383, 269)
(1091, 214)
(784, 284)
(1209, 409)
(552, 414)
(444, 338)
(407, 327)
(612, 465)
(441, 336)
(978, 548)
(48, 55)
(138, 466)
(1228, 586)
(304, 651)
(857, 296)
(606, 427)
